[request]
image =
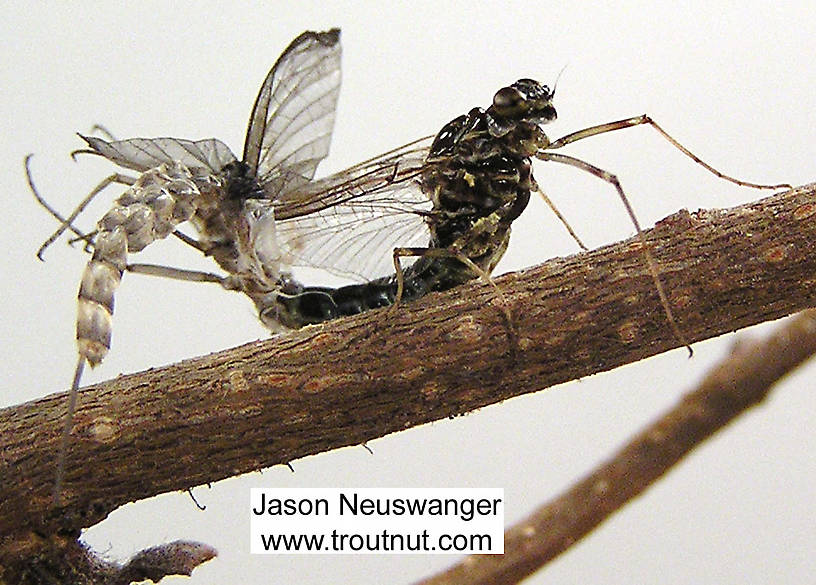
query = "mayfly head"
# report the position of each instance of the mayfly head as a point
(524, 101)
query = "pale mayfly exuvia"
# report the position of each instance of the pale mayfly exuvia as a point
(258, 218)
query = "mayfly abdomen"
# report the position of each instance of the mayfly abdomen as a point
(318, 304)
(149, 210)
(314, 304)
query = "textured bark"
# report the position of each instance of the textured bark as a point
(360, 378)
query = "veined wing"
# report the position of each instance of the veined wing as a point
(367, 178)
(289, 130)
(348, 223)
(141, 154)
(293, 117)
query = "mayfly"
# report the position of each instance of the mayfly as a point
(478, 177)
(203, 183)
(447, 200)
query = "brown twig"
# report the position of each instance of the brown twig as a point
(741, 381)
(360, 378)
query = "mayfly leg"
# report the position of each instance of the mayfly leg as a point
(645, 119)
(610, 178)
(67, 223)
(181, 274)
(560, 217)
(650, 262)
(205, 249)
(112, 179)
(53, 212)
(442, 253)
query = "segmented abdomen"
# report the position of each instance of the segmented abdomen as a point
(149, 210)
(313, 304)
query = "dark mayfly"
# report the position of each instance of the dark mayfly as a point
(478, 177)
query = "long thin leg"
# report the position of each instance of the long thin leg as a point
(441, 253)
(67, 222)
(560, 217)
(115, 178)
(178, 273)
(403, 253)
(644, 119)
(154, 270)
(54, 213)
(610, 178)
(87, 238)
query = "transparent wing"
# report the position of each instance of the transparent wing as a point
(141, 154)
(357, 239)
(349, 223)
(367, 179)
(292, 120)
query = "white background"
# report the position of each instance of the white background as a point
(733, 81)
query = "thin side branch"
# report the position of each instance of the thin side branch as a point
(356, 379)
(739, 382)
